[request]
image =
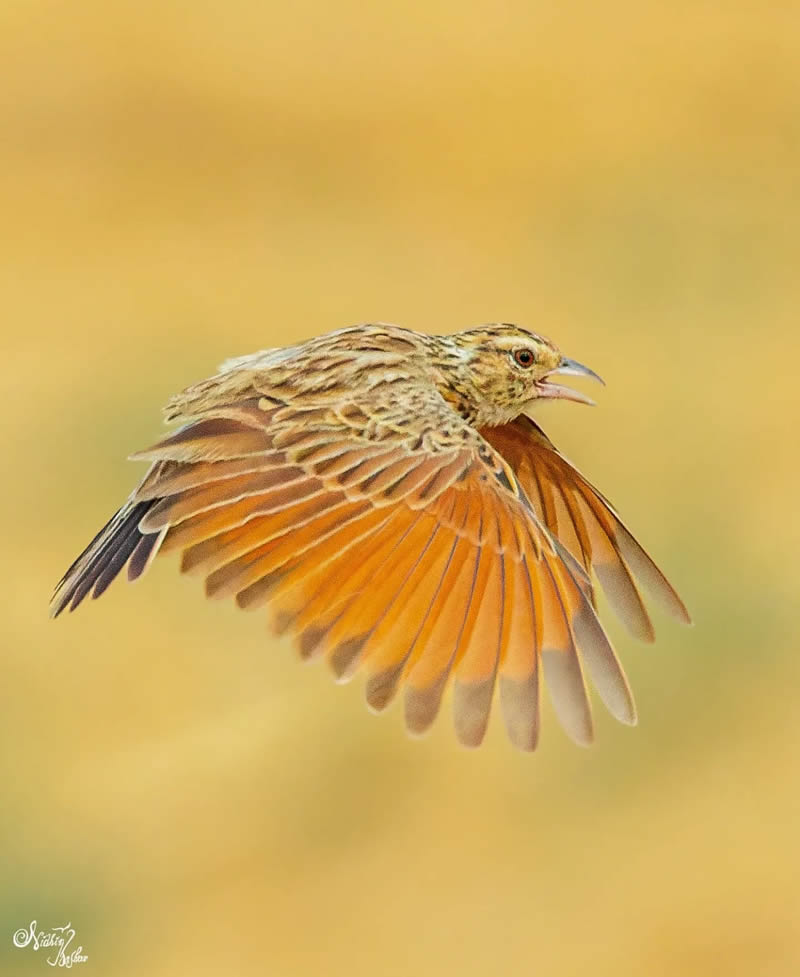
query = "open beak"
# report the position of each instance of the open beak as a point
(556, 391)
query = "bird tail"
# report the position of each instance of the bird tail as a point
(118, 543)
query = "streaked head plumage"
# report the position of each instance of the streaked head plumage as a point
(506, 368)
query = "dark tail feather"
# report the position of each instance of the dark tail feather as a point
(141, 556)
(117, 542)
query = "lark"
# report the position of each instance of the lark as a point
(387, 498)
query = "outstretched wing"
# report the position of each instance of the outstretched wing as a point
(403, 544)
(586, 524)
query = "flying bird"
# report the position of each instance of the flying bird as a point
(386, 497)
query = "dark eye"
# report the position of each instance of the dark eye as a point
(523, 358)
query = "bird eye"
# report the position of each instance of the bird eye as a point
(523, 358)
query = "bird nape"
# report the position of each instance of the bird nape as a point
(385, 497)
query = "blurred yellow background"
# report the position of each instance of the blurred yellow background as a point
(180, 183)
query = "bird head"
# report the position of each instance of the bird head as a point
(505, 369)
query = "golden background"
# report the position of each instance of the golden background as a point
(180, 183)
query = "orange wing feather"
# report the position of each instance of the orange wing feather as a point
(413, 560)
(585, 522)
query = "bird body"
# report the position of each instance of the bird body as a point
(384, 494)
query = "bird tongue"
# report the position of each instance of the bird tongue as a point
(557, 391)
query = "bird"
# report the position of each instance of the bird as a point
(386, 498)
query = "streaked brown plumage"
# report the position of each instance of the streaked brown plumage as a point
(384, 494)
